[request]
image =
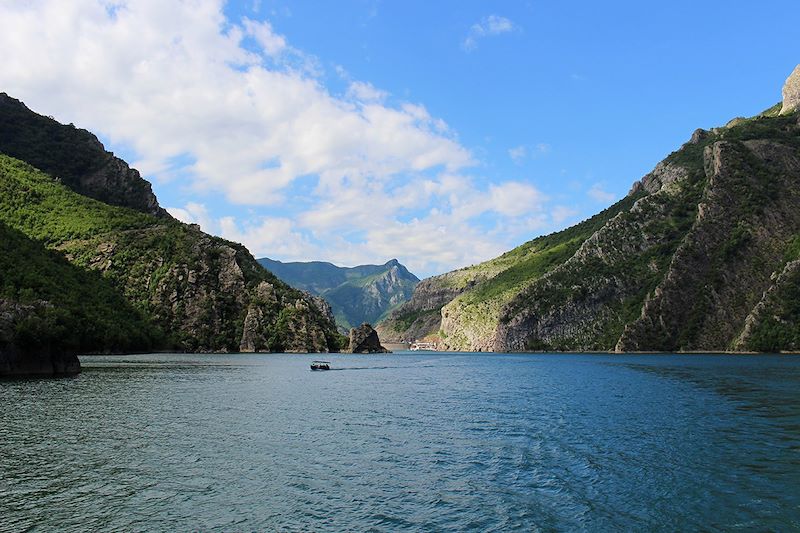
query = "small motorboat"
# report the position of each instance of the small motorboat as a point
(320, 365)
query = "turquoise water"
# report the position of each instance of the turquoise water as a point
(417, 442)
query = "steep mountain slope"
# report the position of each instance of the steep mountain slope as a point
(701, 255)
(186, 290)
(74, 156)
(359, 294)
(208, 294)
(50, 310)
(480, 291)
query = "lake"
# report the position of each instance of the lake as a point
(407, 441)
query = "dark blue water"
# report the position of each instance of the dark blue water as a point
(419, 442)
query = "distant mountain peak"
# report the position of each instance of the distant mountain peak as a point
(358, 294)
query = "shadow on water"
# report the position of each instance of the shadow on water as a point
(773, 384)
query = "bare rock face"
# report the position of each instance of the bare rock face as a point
(791, 92)
(364, 339)
(421, 316)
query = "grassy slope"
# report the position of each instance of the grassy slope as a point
(500, 279)
(480, 307)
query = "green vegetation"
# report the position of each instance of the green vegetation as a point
(43, 209)
(184, 281)
(535, 258)
(63, 151)
(780, 328)
(772, 111)
(405, 320)
(68, 309)
(483, 307)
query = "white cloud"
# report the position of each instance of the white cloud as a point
(194, 213)
(172, 78)
(515, 199)
(249, 121)
(268, 236)
(519, 153)
(365, 92)
(561, 213)
(599, 195)
(491, 25)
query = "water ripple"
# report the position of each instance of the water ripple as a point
(405, 442)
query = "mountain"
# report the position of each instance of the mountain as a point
(50, 310)
(703, 254)
(75, 157)
(365, 293)
(119, 274)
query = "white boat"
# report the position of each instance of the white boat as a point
(427, 346)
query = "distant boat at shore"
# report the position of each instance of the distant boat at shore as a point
(427, 346)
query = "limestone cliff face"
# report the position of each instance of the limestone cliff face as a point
(420, 317)
(700, 256)
(208, 294)
(791, 92)
(745, 219)
(774, 323)
(73, 156)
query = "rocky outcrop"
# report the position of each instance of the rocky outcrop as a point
(364, 339)
(747, 215)
(21, 353)
(73, 156)
(664, 174)
(791, 92)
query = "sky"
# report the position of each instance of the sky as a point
(438, 133)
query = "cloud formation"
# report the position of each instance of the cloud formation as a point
(518, 154)
(232, 114)
(488, 26)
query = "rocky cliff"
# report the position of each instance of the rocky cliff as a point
(791, 93)
(364, 293)
(701, 255)
(149, 281)
(204, 293)
(364, 339)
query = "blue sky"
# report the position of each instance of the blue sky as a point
(439, 133)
